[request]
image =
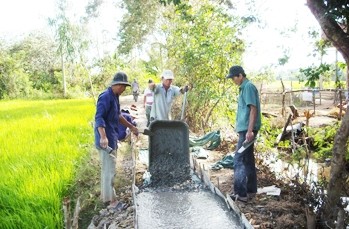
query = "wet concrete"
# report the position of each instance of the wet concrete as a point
(169, 162)
(176, 197)
(184, 209)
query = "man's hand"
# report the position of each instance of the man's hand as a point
(134, 130)
(103, 142)
(184, 89)
(249, 136)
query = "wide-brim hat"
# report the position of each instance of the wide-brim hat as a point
(235, 71)
(120, 78)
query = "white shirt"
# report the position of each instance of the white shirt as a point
(135, 87)
(163, 101)
(149, 97)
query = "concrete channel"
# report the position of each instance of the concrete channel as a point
(180, 194)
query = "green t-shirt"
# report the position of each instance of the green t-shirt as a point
(248, 95)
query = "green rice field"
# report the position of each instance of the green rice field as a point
(41, 144)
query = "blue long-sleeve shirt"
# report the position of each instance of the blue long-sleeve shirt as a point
(107, 116)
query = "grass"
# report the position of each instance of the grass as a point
(41, 145)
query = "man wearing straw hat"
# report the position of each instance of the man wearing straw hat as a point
(107, 118)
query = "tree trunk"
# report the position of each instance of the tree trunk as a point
(339, 39)
(63, 75)
(338, 172)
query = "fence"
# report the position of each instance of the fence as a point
(312, 99)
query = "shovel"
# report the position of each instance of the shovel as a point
(245, 145)
(146, 132)
(183, 105)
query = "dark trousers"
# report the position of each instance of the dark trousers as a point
(245, 176)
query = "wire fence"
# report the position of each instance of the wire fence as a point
(311, 99)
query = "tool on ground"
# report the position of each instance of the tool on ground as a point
(245, 145)
(184, 101)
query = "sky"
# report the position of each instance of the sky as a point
(265, 45)
(18, 17)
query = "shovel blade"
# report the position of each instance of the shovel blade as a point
(245, 145)
(148, 132)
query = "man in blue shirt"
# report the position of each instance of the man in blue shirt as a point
(107, 118)
(248, 123)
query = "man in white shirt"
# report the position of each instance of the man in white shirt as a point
(148, 100)
(164, 94)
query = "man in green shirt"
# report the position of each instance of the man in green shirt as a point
(248, 123)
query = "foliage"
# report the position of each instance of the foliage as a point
(30, 68)
(202, 42)
(299, 154)
(38, 60)
(268, 134)
(313, 74)
(139, 21)
(92, 10)
(165, 2)
(338, 80)
(70, 38)
(106, 67)
(41, 144)
(323, 141)
(14, 80)
(338, 10)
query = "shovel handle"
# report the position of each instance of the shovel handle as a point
(183, 106)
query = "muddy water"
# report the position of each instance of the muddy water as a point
(184, 210)
(310, 171)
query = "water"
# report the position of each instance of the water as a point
(312, 172)
(185, 210)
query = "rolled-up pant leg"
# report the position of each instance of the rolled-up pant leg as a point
(108, 167)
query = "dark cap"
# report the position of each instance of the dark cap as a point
(120, 78)
(150, 81)
(235, 71)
